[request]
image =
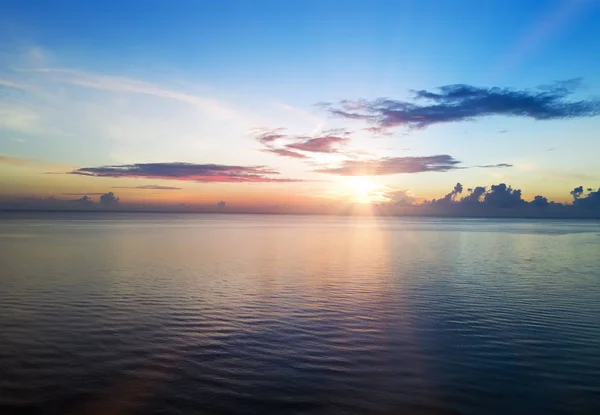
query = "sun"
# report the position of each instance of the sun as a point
(363, 189)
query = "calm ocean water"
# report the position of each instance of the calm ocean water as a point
(228, 314)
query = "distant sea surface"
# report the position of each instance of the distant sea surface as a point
(257, 314)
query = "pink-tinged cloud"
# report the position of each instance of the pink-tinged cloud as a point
(324, 144)
(394, 165)
(285, 153)
(205, 173)
(269, 136)
(300, 146)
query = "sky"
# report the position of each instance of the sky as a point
(260, 105)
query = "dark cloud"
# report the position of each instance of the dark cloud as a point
(499, 196)
(451, 196)
(83, 194)
(147, 187)
(109, 199)
(589, 201)
(458, 189)
(503, 196)
(205, 173)
(394, 165)
(577, 192)
(474, 196)
(539, 201)
(455, 103)
(85, 201)
(221, 204)
(502, 200)
(495, 166)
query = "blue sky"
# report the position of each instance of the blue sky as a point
(95, 83)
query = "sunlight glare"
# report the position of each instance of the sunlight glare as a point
(364, 189)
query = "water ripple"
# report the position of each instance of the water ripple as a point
(246, 314)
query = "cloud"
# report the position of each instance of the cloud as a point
(455, 103)
(285, 153)
(323, 144)
(399, 197)
(15, 161)
(500, 200)
(285, 145)
(494, 166)
(268, 136)
(84, 201)
(499, 196)
(539, 201)
(127, 85)
(478, 201)
(589, 201)
(474, 195)
(458, 189)
(205, 173)
(503, 196)
(503, 200)
(378, 131)
(450, 197)
(577, 192)
(394, 165)
(21, 119)
(82, 194)
(148, 187)
(108, 199)
(10, 84)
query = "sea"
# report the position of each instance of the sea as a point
(119, 313)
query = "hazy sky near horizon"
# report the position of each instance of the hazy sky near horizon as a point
(277, 102)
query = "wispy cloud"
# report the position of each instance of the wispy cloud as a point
(322, 144)
(205, 173)
(268, 136)
(10, 84)
(15, 161)
(276, 141)
(148, 187)
(455, 103)
(128, 85)
(285, 153)
(495, 166)
(20, 119)
(394, 165)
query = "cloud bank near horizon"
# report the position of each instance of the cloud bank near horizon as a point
(499, 200)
